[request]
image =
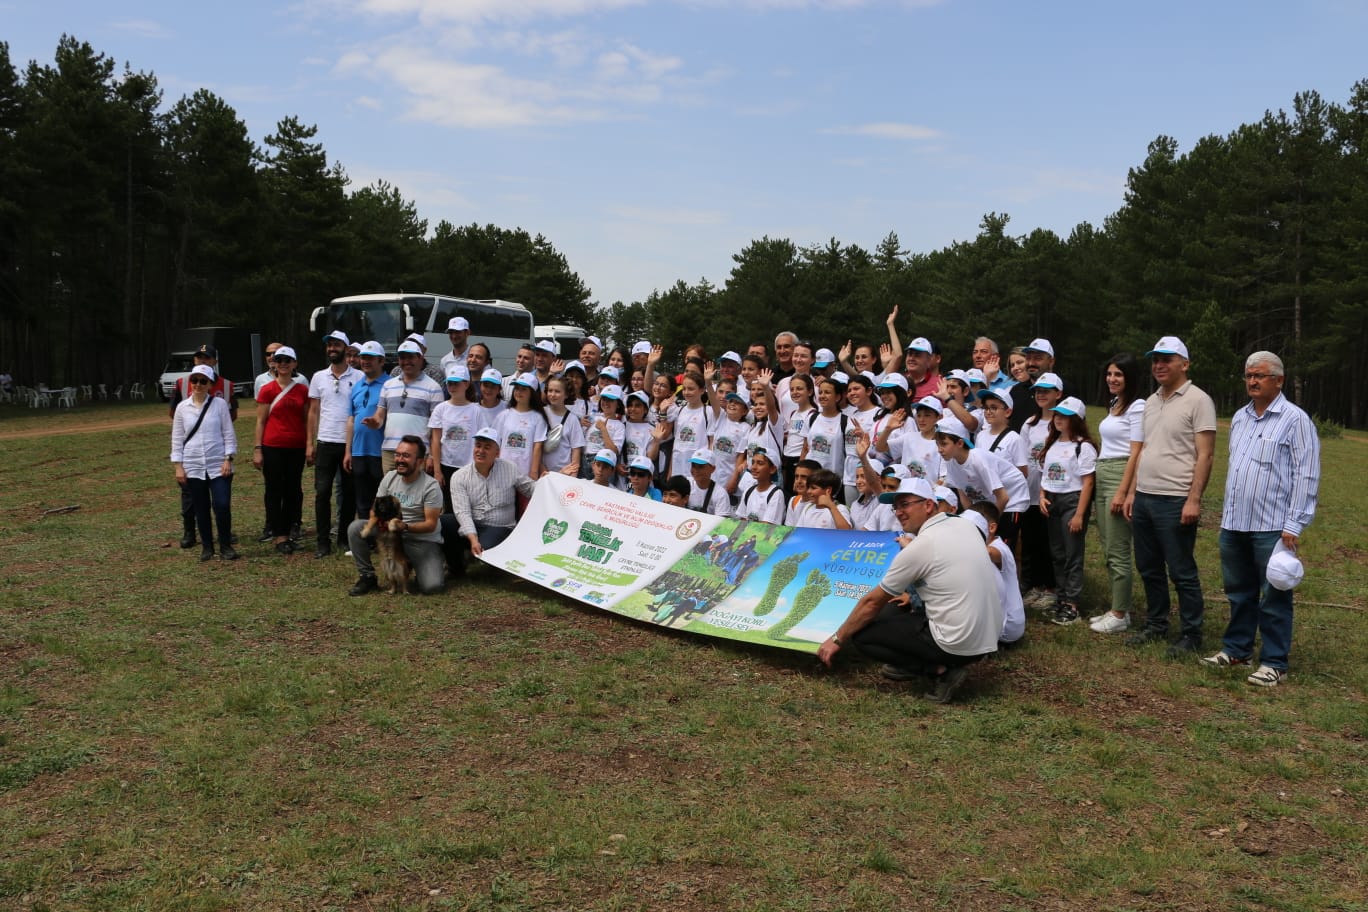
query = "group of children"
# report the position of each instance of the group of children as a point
(812, 449)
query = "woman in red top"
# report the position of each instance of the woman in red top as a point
(281, 429)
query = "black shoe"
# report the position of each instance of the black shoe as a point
(232, 539)
(206, 555)
(188, 540)
(228, 553)
(323, 550)
(363, 585)
(285, 547)
(947, 684)
(1146, 636)
(266, 535)
(1185, 646)
(296, 533)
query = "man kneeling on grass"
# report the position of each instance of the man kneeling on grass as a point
(420, 502)
(955, 617)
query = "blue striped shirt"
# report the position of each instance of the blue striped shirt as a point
(1274, 472)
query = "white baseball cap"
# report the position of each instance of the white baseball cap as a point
(283, 353)
(917, 487)
(893, 379)
(409, 347)
(823, 357)
(373, 349)
(1040, 345)
(921, 344)
(979, 520)
(458, 324)
(955, 428)
(1169, 345)
(729, 356)
(1072, 406)
(457, 373)
(641, 464)
(946, 495)
(203, 370)
(930, 402)
(548, 346)
(702, 457)
(1285, 570)
(339, 335)
(1048, 380)
(491, 375)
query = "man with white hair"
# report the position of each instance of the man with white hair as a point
(783, 355)
(1270, 499)
(1172, 470)
(987, 358)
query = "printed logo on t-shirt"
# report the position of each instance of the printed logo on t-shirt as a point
(1055, 471)
(686, 433)
(631, 448)
(975, 495)
(725, 445)
(457, 433)
(916, 468)
(595, 438)
(517, 440)
(1037, 450)
(820, 443)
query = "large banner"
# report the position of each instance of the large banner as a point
(730, 578)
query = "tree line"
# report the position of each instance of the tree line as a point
(121, 222)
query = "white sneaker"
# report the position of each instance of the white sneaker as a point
(1266, 676)
(1110, 623)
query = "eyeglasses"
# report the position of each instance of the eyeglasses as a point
(638, 473)
(1253, 376)
(197, 380)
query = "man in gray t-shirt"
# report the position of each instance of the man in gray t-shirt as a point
(420, 506)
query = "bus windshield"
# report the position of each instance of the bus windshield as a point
(362, 321)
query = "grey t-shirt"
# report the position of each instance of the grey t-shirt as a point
(413, 498)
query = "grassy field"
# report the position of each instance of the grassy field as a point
(245, 736)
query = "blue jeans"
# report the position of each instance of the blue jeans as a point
(1163, 551)
(215, 492)
(1254, 604)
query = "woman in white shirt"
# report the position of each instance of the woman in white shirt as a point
(1123, 433)
(202, 448)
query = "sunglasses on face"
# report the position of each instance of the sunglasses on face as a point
(639, 473)
(195, 381)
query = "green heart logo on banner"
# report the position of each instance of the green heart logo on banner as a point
(553, 530)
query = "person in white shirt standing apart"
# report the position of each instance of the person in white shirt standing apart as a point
(1172, 470)
(1270, 499)
(202, 448)
(330, 392)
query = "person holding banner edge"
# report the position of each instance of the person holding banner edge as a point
(961, 615)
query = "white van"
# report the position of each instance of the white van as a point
(387, 318)
(567, 338)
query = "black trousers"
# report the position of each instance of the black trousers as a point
(282, 469)
(901, 636)
(327, 466)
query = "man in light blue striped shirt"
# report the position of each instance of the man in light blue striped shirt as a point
(1270, 499)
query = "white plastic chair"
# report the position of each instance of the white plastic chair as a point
(67, 397)
(118, 392)
(102, 392)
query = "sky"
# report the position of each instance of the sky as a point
(651, 140)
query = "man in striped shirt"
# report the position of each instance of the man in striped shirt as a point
(484, 499)
(1270, 499)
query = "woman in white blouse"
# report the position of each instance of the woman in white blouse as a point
(202, 448)
(1122, 433)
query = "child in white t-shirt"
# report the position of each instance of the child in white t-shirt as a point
(823, 511)
(1066, 490)
(985, 516)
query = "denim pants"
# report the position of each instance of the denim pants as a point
(1254, 604)
(1163, 551)
(215, 492)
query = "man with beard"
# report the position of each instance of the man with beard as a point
(420, 504)
(1040, 359)
(330, 392)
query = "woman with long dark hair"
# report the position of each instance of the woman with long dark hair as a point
(1122, 432)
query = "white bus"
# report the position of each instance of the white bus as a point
(388, 318)
(567, 338)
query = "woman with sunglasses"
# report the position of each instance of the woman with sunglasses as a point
(281, 429)
(202, 449)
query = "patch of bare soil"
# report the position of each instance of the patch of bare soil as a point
(93, 426)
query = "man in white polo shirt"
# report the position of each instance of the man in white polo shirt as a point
(960, 616)
(330, 392)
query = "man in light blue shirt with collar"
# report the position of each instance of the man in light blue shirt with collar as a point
(1270, 499)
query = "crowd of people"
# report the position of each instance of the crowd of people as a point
(991, 472)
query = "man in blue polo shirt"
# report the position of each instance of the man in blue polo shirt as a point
(362, 456)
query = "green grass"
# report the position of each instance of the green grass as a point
(244, 736)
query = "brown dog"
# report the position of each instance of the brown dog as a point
(392, 567)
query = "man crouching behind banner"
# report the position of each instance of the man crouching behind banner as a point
(960, 615)
(484, 499)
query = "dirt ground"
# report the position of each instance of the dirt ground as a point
(85, 427)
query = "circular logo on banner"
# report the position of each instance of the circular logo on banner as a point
(688, 529)
(569, 496)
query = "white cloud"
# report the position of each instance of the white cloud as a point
(1049, 182)
(491, 10)
(143, 28)
(888, 130)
